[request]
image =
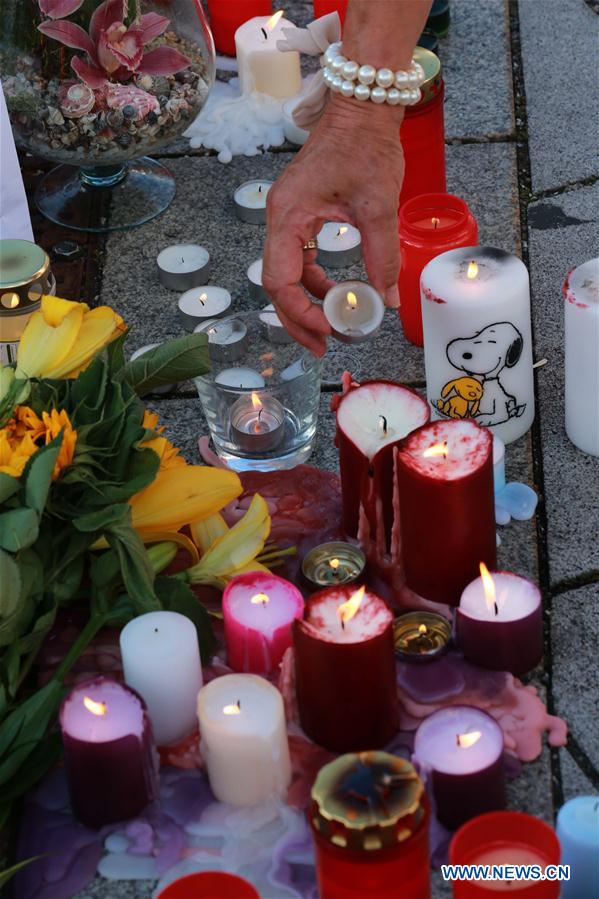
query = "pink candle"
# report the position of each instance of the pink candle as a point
(258, 609)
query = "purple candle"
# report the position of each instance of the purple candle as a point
(499, 622)
(459, 753)
(111, 762)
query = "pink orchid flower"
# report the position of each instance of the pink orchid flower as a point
(58, 9)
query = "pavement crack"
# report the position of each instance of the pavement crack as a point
(574, 583)
(563, 188)
(583, 761)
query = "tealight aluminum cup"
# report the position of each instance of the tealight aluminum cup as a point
(190, 321)
(243, 412)
(182, 281)
(433, 644)
(253, 215)
(339, 258)
(276, 331)
(359, 334)
(225, 352)
(317, 568)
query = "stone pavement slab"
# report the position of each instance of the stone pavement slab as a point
(563, 233)
(559, 38)
(574, 781)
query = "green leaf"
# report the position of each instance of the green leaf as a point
(8, 486)
(18, 529)
(10, 579)
(103, 519)
(38, 474)
(177, 360)
(115, 353)
(136, 571)
(120, 612)
(176, 596)
(6, 875)
(23, 728)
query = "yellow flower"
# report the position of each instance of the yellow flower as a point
(169, 454)
(54, 423)
(14, 456)
(61, 339)
(26, 421)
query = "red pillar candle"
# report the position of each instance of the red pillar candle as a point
(505, 838)
(428, 225)
(111, 762)
(459, 750)
(422, 134)
(446, 506)
(369, 817)
(209, 885)
(371, 419)
(345, 670)
(499, 622)
(227, 15)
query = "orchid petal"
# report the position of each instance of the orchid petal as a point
(58, 9)
(152, 26)
(69, 34)
(124, 47)
(106, 14)
(163, 61)
(92, 76)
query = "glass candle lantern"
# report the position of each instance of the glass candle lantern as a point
(369, 818)
(24, 278)
(422, 133)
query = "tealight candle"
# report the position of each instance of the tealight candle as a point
(111, 762)
(581, 314)
(183, 266)
(333, 563)
(257, 423)
(243, 739)
(293, 133)
(421, 636)
(275, 329)
(499, 623)
(250, 201)
(460, 750)
(338, 245)
(477, 339)
(446, 507)
(161, 660)
(578, 832)
(258, 609)
(254, 276)
(262, 67)
(227, 340)
(345, 669)
(242, 378)
(354, 311)
(167, 388)
(202, 304)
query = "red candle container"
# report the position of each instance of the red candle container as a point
(505, 838)
(422, 134)
(227, 15)
(324, 7)
(429, 224)
(209, 885)
(369, 817)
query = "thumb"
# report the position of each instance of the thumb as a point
(380, 243)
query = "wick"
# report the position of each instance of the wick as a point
(383, 421)
(182, 260)
(263, 30)
(338, 233)
(342, 624)
(457, 739)
(435, 222)
(260, 413)
(259, 188)
(155, 630)
(496, 609)
(238, 704)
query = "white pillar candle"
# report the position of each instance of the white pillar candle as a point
(242, 378)
(161, 660)
(262, 67)
(227, 339)
(254, 276)
(250, 201)
(581, 311)
(477, 339)
(167, 388)
(354, 311)
(498, 464)
(244, 739)
(201, 304)
(293, 133)
(578, 832)
(183, 266)
(339, 244)
(275, 329)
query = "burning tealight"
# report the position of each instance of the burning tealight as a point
(262, 67)
(499, 622)
(421, 636)
(183, 266)
(242, 378)
(227, 340)
(254, 276)
(333, 563)
(459, 749)
(275, 329)
(257, 423)
(202, 304)
(338, 245)
(244, 739)
(250, 201)
(354, 311)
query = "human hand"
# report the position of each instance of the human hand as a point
(350, 170)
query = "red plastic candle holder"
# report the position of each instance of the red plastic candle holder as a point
(504, 838)
(422, 134)
(429, 224)
(227, 15)
(324, 7)
(209, 885)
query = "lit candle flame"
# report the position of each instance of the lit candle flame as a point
(256, 401)
(343, 230)
(489, 588)
(233, 709)
(334, 563)
(472, 270)
(272, 22)
(352, 300)
(96, 708)
(202, 298)
(259, 599)
(14, 301)
(465, 741)
(434, 221)
(422, 629)
(438, 449)
(347, 610)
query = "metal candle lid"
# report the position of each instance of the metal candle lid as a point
(367, 801)
(433, 80)
(421, 636)
(331, 564)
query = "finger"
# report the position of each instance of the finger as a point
(315, 279)
(316, 343)
(380, 243)
(297, 306)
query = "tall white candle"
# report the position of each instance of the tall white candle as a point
(581, 313)
(244, 739)
(262, 67)
(161, 660)
(477, 339)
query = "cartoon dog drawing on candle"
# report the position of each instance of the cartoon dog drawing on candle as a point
(483, 357)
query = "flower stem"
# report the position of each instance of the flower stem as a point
(95, 622)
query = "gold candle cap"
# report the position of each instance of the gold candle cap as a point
(433, 80)
(332, 564)
(367, 801)
(24, 277)
(421, 636)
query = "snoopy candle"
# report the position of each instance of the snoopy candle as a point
(477, 339)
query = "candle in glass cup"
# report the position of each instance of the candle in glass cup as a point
(460, 750)
(332, 564)
(276, 331)
(250, 201)
(421, 636)
(257, 423)
(581, 319)
(446, 507)
(578, 832)
(242, 378)
(428, 225)
(25, 277)
(183, 266)
(339, 244)
(209, 885)
(262, 67)
(202, 304)
(354, 310)
(226, 16)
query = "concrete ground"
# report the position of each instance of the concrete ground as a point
(521, 126)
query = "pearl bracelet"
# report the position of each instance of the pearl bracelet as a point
(350, 79)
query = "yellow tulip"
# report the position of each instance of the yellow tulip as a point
(61, 339)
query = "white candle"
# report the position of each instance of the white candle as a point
(244, 739)
(581, 312)
(161, 660)
(254, 275)
(293, 133)
(227, 339)
(339, 244)
(250, 201)
(578, 832)
(354, 311)
(242, 378)
(477, 339)
(498, 464)
(262, 67)
(183, 266)
(201, 304)
(275, 330)
(167, 388)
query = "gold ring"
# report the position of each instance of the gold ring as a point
(311, 245)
